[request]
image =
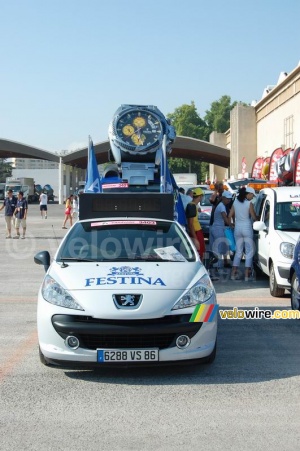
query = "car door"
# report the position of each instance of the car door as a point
(264, 237)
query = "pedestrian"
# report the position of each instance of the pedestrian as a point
(194, 227)
(20, 214)
(43, 204)
(242, 213)
(68, 212)
(187, 197)
(215, 199)
(218, 241)
(75, 207)
(9, 204)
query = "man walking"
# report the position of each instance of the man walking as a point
(21, 215)
(9, 204)
(43, 205)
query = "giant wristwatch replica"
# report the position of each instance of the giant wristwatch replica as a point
(136, 133)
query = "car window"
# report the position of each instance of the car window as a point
(266, 214)
(120, 241)
(259, 203)
(205, 200)
(286, 217)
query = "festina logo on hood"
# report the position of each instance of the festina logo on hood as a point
(124, 275)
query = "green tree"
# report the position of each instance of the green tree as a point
(5, 170)
(187, 122)
(218, 117)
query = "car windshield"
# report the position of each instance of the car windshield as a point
(126, 241)
(287, 216)
(205, 200)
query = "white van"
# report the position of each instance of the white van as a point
(276, 234)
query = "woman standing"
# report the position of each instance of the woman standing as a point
(242, 211)
(68, 212)
(218, 241)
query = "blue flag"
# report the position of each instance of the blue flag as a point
(92, 184)
(169, 185)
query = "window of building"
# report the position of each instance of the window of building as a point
(289, 131)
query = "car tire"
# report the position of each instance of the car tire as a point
(295, 293)
(43, 360)
(274, 288)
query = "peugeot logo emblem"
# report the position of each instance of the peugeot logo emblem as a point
(125, 301)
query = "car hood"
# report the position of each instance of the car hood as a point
(93, 285)
(145, 275)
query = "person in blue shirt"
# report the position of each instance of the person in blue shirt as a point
(21, 215)
(9, 204)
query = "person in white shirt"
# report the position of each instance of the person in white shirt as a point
(243, 214)
(43, 205)
(75, 207)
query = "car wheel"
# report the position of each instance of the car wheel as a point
(274, 289)
(295, 293)
(43, 360)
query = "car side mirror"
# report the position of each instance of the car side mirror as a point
(259, 226)
(43, 258)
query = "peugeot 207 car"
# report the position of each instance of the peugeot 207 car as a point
(125, 290)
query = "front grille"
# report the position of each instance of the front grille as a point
(126, 341)
(171, 319)
(96, 333)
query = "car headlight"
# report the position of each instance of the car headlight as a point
(287, 250)
(199, 293)
(55, 294)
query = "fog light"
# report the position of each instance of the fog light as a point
(72, 342)
(183, 341)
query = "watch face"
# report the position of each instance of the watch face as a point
(139, 128)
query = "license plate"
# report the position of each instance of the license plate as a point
(127, 355)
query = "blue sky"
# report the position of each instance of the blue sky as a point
(67, 65)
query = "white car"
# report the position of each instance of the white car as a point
(276, 234)
(126, 291)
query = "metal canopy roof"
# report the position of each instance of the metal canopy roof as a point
(183, 147)
(12, 149)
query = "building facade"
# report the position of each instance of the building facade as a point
(257, 130)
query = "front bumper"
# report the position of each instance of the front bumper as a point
(93, 334)
(282, 272)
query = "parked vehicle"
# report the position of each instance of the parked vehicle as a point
(185, 179)
(115, 293)
(276, 234)
(234, 185)
(38, 189)
(49, 191)
(25, 184)
(295, 278)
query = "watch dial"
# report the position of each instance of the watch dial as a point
(139, 128)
